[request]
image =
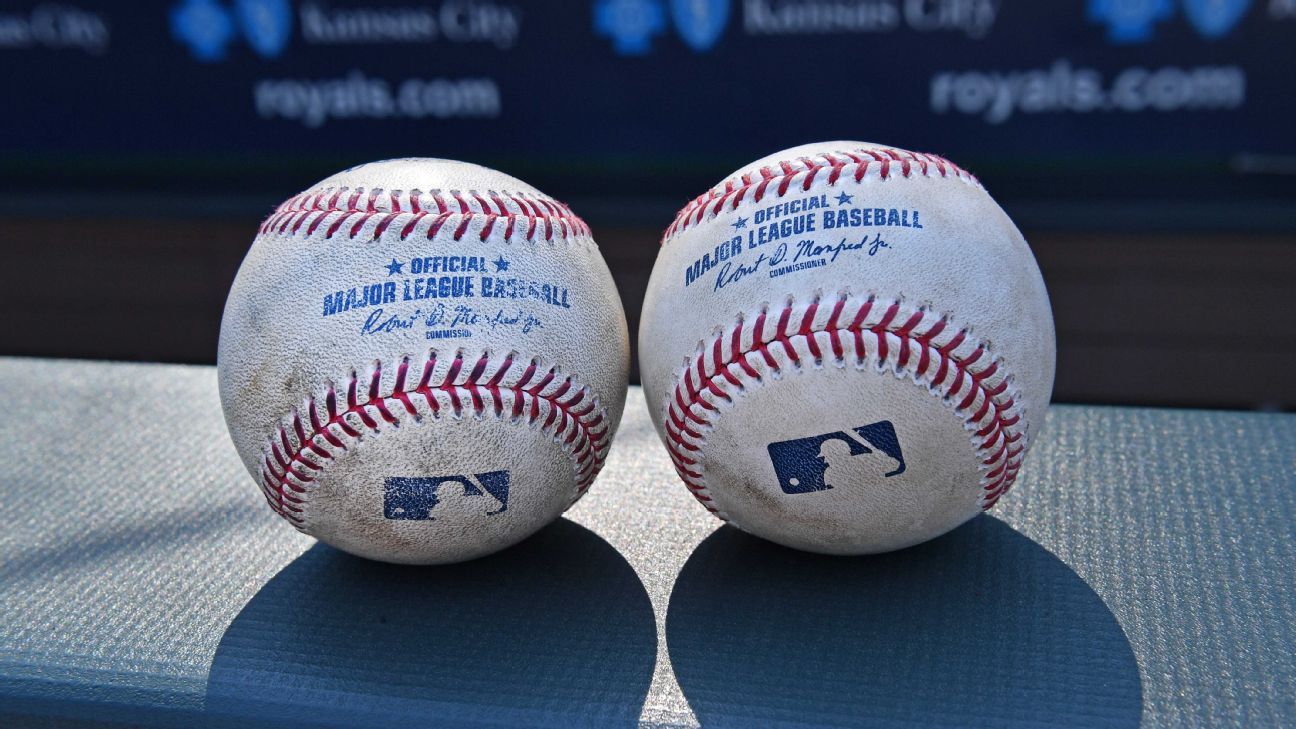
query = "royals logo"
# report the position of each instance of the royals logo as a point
(266, 24)
(208, 27)
(412, 498)
(1215, 18)
(1129, 21)
(1133, 21)
(699, 22)
(632, 24)
(804, 465)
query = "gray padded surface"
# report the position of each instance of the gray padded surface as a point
(1141, 572)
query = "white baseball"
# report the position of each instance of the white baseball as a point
(847, 348)
(422, 361)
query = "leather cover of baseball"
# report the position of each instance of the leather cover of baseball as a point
(847, 348)
(422, 361)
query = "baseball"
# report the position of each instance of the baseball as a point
(422, 361)
(847, 348)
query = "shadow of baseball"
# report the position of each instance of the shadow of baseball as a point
(557, 631)
(982, 627)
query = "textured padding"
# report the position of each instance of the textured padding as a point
(1140, 575)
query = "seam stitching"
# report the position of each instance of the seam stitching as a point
(882, 162)
(296, 455)
(349, 211)
(885, 335)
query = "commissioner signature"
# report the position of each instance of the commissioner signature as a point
(807, 253)
(808, 248)
(443, 316)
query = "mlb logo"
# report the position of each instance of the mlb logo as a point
(806, 465)
(412, 498)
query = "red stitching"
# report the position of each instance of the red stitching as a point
(913, 342)
(782, 174)
(532, 216)
(574, 418)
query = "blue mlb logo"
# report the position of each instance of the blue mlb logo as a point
(412, 498)
(802, 464)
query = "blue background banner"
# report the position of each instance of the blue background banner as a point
(652, 99)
